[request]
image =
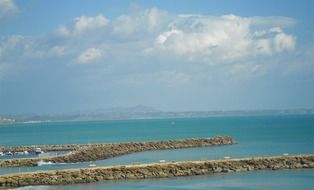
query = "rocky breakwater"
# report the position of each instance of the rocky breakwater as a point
(104, 151)
(157, 170)
(45, 148)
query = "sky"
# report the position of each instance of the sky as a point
(62, 56)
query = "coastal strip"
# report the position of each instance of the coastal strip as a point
(156, 170)
(104, 151)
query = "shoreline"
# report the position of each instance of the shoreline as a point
(85, 153)
(255, 113)
(156, 170)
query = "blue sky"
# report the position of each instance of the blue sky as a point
(59, 56)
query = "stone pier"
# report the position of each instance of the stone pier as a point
(156, 170)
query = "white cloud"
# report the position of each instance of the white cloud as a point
(83, 24)
(226, 38)
(89, 55)
(262, 33)
(159, 37)
(284, 42)
(162, 38)
(276, 30)
(7, 8)
(264, 46)
(196, 38)
(142, 24)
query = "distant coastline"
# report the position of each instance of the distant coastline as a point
(142, 112)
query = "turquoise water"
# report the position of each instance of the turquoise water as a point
(279, 129)
(257, 136)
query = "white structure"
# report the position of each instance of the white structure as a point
(38, 151)
(92, 165)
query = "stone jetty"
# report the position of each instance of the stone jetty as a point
(95, 152)
(156, 170)
(45, 148)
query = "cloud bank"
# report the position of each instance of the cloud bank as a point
(154, 34)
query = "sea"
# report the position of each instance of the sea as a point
(256, 136)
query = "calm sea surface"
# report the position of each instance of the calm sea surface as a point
(256, 135)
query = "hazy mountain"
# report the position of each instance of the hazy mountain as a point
(143, 112)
